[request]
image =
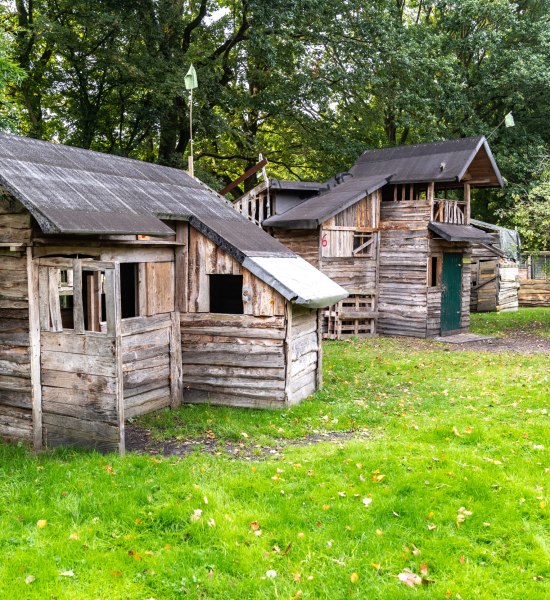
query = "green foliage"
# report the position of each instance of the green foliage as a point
(10, 75)
(531, 215)
(445, 430)
(309, 84)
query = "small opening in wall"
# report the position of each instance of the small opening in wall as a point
(129, 303)
(226, 294)
(433, 271)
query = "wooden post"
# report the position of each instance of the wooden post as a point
(467, 203)
(288, 351)
(78, 304)
(180, 266)
(319, 374)
(34, 350)
(176, 369)
(53, 298)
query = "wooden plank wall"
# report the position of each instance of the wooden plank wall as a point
(205, 258)
(304, 242)
(236, 360)
(534, 292)
(302, 354)
(15, 374)
(145, 344)
(404, 251)
(79, 390)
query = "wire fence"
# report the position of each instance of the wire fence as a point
(535, 266)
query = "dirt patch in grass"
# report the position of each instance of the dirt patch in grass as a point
(520, 342)
(516, 341)
(140, 441)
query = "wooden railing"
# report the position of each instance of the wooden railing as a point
(450, 211)
(256, 204)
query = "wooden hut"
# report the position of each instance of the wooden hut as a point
(494, 270)
(126, 287)
(394, 231)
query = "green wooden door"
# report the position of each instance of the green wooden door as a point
(451, 298)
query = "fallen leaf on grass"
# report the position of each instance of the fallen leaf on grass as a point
(116, 573)
(354, 577)
(255, 525)
(29, 579)
(197, 514)
(379, 532)
(409, 578)
(431, 526)
(41, 523)
(366, 501)
(135, 555)
(424, 569)
(326, 506)
(271, 573)
(297, 595)
(73, 536)
(109, 469)
(67, 574)
(456, 432)
(287, 549)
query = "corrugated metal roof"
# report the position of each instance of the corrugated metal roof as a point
(423, 162)
(445, 161)
(71, 190)
(314, 211)
(460, 233)
(75, 191)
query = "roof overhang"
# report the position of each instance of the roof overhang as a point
(460, 233)
(482, 144)
(313, 212)
(296, 280)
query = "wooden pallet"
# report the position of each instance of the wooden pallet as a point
(354, 316)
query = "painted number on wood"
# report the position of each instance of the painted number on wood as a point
(324, 241)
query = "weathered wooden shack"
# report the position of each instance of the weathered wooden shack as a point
(394, 231)
(126, 287)
(494, 270)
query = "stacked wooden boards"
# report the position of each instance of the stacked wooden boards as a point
(534, 292)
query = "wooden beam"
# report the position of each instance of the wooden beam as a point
(243, 177)
(34, 350)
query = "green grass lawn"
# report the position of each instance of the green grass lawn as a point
(525, 320)
(451, 483)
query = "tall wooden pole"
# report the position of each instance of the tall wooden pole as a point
(191, 166)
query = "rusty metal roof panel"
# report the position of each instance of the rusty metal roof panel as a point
(314, 211)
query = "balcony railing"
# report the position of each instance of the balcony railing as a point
(450, 211)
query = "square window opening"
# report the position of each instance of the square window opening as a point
(362, 244)
(226, 294)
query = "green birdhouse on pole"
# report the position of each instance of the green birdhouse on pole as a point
(191, 79)
(190, 84)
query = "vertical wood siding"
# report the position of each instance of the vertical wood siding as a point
(15, 377)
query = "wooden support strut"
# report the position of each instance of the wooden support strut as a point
(243, 177)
